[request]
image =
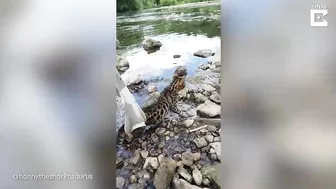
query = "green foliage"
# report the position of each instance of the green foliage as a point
(135, 5)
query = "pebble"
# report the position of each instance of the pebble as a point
(188, 122)
(151, 162)
(154, 137)
(187, 158)
(197, 156)
(135, 160)
(184, 173)
(144, 154)
(197, 176)
(160, 158)
(146, 176)
(217, 139)
(212, 128)
(160, 130)
(120, 181)
(135, 186)
(133, 179)
(206, 182)
(200, 142)
(177, 157)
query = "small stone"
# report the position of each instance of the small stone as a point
(208, 88)
(200, 98)
(133, 179)
(160, 158)
(144, 145)
(151, 162)
(204, 53)
(215, 97)
(179, 164)
(154, 137)
(217, 147)
(151, 88)
(160, 130)
(176, 56)
(203, 130)
(197, 156)
(144, 154)
(120, 181)
(188, 122)
(197, 176)
(212, 151)
(200, 142)
(209, 110)
(184, 173)
(146, 176)
(206, 182)
(187, 158)
(135, 186)
(142, 181)
(213, 156)
(212, 128)
(204, 66)
(209, 138)
(182, 184)
(217, 139)
(135, 160)
(177, 157)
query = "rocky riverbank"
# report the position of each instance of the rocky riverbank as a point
(184, 151)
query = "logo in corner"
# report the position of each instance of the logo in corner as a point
(317, 15)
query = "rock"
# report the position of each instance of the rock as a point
(184, 173)
(117, 44)
(142, 181)
(151, 88)
(200, 98)
(160, 130)
(212, 151)
(188, 122)
(187, 158)
(204, 53)
(136, 158)
(204, 66)
(160, 158)
(212, 173)
(152, 162)
(217, 147)
(151, 45)
(165, 173)
(197, 176)
(209, 138)
(209, 110)
(144, 154)
(191, 112)
(177, 157)
(135, 186)
(197, 156)
(146, 176)
(217, 139)
(182, 184)
(122, 64)
(207, 87)
(217, 64)
(212, 128)
(133, 179)
(215, 97)
(206, 182)
(120, 182)
(213, 156)
(177, 56)
(200, 142)
(154, 137)
(135, 81)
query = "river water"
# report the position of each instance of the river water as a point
(182, 30)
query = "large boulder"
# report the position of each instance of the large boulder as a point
(209, 110)
(165, 173)
(204, 53)
(151, 45)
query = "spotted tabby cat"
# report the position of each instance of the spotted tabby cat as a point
(156, 112)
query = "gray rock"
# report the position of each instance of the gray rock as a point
(160, 158)
(182, 184)
(206, 182)
(209, 138)
(217, 139)
(212, 173)
(184, 173)
(154, 137)
(146, 176)
(197, 156)
(135, 186)
(217, 64)
(212, 128)
(177, 157)
(165, 173)
(122, 63)
(160, 130)
(136, 158)
(120, 182)
(213, 156)
(217, 147)
(207, 87)
(151, 45)
(177, 56)
(144, 154)
(215, 97)
(200, 98)
(187, 158)
(197, 176)
(151, 162)
(188, 122)
(151, 88)
(209, 110)
(133, 179)
(204, 53)
(204, 66)
(200, 142)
